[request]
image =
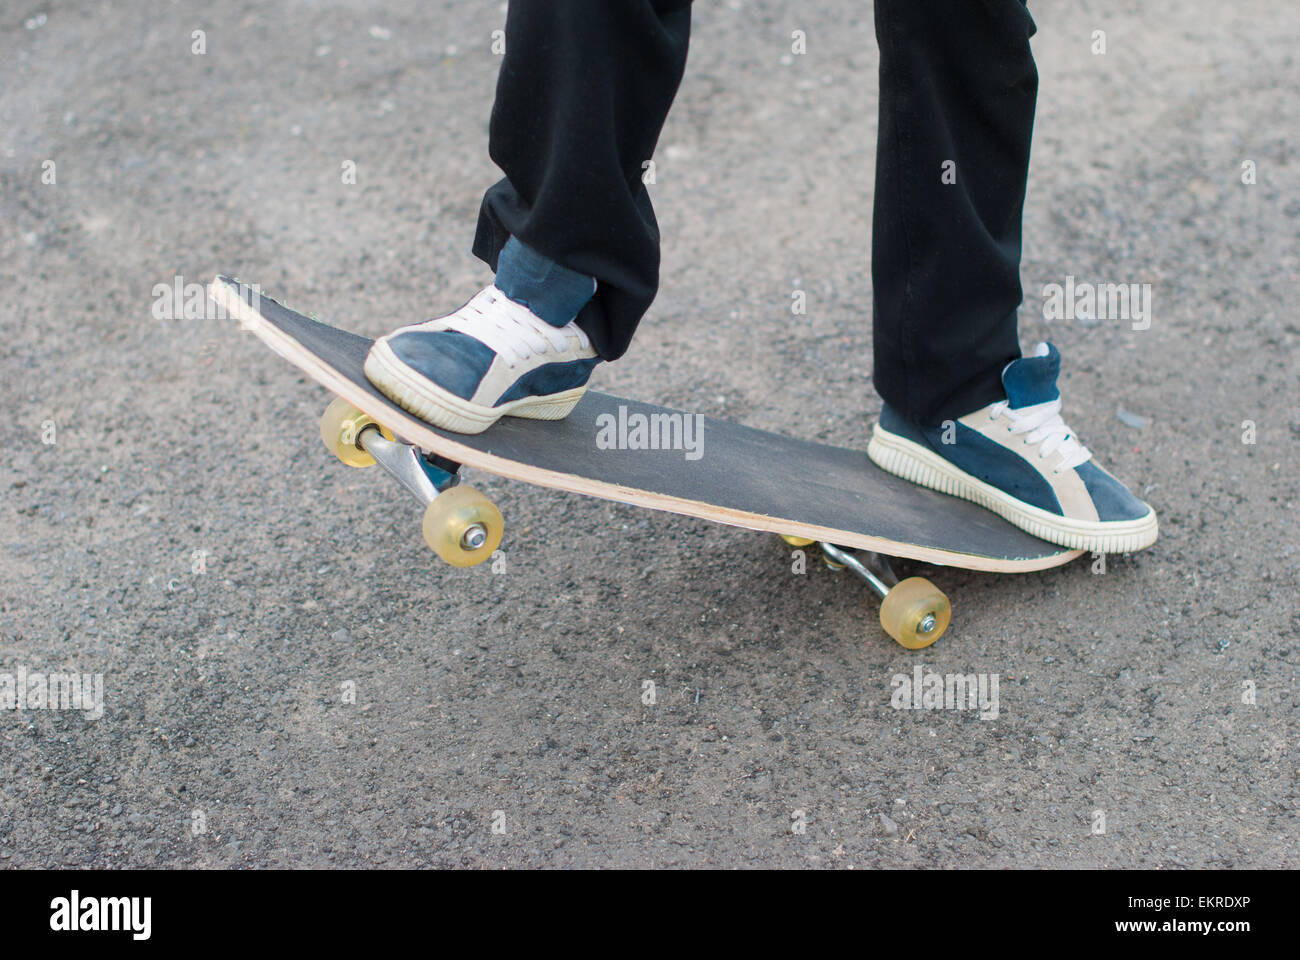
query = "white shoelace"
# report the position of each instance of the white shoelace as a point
(509, 328)
(1043, 427)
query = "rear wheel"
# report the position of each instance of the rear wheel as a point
(915, 613)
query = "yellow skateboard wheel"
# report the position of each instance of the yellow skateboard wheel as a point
(915, 613)
(796, 541)
(462, 526)
(340, 428)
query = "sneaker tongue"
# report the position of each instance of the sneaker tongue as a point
(1032, 380)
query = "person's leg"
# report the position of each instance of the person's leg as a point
(963, 411)
(582, 95)
(957, 92)
(583, 92)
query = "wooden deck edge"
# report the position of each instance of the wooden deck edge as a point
(417, 432)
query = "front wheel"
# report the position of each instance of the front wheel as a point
(341, 426)
(462, 526)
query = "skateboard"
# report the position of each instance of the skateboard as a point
(656, 457)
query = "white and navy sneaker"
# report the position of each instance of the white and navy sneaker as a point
(491, 358)
(1018, 458)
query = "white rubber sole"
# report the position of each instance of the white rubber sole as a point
(911, 461)
(441, 408)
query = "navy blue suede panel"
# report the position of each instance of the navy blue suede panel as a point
(981, 457)
(551, 291)
(1032, 380)
(550, 378)
(1112, 499)
(993, 463)
(454, 361)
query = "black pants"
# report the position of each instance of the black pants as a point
(583, 93)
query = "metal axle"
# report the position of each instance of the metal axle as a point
(875, 571)
(405, 464)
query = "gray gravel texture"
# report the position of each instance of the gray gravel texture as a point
(186, 535)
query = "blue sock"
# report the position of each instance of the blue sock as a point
(553, 292)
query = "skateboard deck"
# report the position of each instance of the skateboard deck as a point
(737, 475)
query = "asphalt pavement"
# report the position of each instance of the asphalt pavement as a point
(289, 678)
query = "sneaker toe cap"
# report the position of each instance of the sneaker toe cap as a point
(1112, 499)
(452, 360)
